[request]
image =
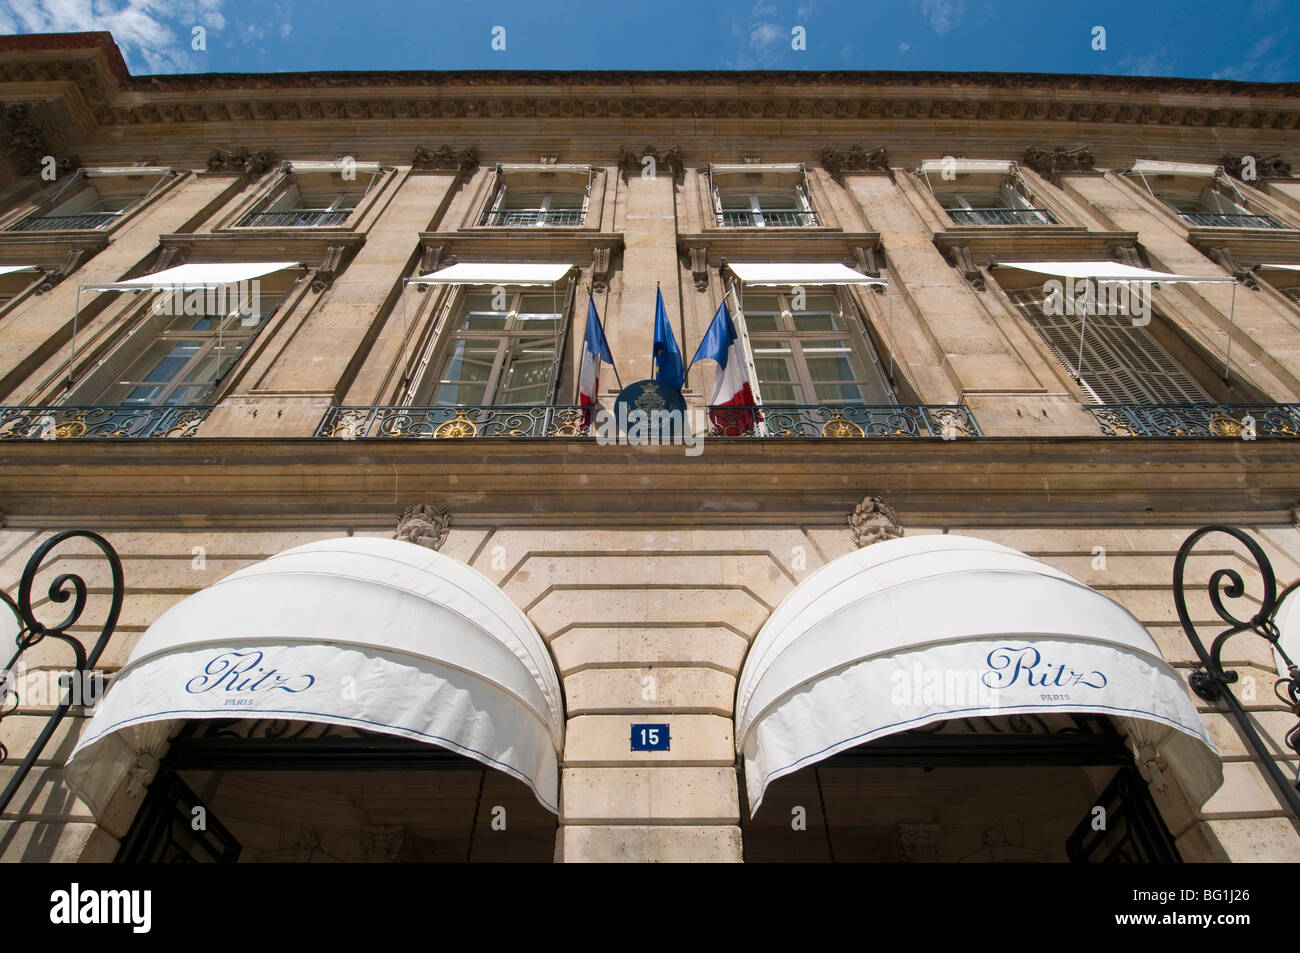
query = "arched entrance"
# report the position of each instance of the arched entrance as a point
(351, 699)
(947, 698)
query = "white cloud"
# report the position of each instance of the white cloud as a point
(806, 9)
(904, 47)
(1258, 64)
(763, 35)
(154, 35)
(943, 14)
(1155, 63)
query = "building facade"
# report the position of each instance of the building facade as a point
(247, 314)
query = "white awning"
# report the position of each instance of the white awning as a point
(836, 664)
(104, 171)
(210, 275)
(968, 166)
(1151, 167)
(567, 169)
(303, 168)
(776, 273)
(10, 269)
(1109, 271)
(1283, 267)
(376, 634)
(785, 168)
(1288, 627)
(495, 273)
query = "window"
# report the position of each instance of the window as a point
(1201, 195)
(314, 195)
(178, 360)
(496, 357)
(813, 356)
(761, 196)
(1215, 209)
(983, 192)
(94, 199)
(1122, 364)
(518, 207)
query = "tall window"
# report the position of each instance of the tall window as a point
(309, 204)
(813, 356)
(1006, 206)
(497, 356)
(95, 199)
(183, 359)
(1122, 364)
(527, 207)
(1215, 209)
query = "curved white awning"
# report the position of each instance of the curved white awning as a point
(1110, 271)
(495, 273)
(776, 274)
(375, 634)
(1189, 169)
(908, 632)
(197, 275)
(968, 166)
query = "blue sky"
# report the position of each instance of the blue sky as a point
(1223, 39)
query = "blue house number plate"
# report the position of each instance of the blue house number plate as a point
(649, 737)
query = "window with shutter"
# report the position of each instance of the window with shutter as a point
(1122, 364)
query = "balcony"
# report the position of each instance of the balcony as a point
(296, 218)
(852, 421)
(1001, 216)
(533, 216)
(57, 223)
(76, 422)
(1226, 220)
(1197, 420)
(442, 423)
(767, 218)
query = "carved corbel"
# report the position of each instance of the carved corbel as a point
(241, 161)
(632, 161)
(71, 262)
(868, 264)
(854, 159)
(872, 521)
(959, 257)
(600, 259)
(169, 256)
(1127, 255)
(330, 266)
(424, 524)
(1048, 162)
(1264, 166)
(1222, 257)
(445, 159)
(699, 256)
(23, 142)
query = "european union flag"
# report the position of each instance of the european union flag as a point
(666, 356)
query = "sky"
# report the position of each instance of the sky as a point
(1256, 40)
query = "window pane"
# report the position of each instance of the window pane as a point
(778, 200)
(163, 361)
(734, 201)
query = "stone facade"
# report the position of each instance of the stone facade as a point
(648, 571)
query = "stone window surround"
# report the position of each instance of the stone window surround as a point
(532, 176)
(811, 198)
(281, 181)
(44, 200)
(1256, 202)
(1034, 190)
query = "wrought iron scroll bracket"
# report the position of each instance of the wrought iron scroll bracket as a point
(31, 630)
(1210, 681)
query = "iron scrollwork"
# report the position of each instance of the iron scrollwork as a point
(1210, 680)
(31, 630)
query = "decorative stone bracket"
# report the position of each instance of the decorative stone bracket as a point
(699, 255)
(868, 264)
(959, 256)
(1273, 166)
(242, 161)
(1222, 257)
(872, 521)
(630, 160)
(71, 262)
(445, 159)
(1048, 162)
(854, 159)
(23, 142)
(335, 258)
(600, 271)
(424, 524)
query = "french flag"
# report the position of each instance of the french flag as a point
(732, 387)
(594, 350)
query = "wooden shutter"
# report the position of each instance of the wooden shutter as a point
(1122, 364)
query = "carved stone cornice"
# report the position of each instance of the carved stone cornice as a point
(854, 159)
(769, 245)
(631, 161)
(1048, 162)
(312, 249)
(445, 159)
(1273, 166)
(241, 161)
(1248, 246)
(504, 244)
(994, 243)
(50, 250)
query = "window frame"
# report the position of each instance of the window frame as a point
(516, 178)
(44, 206)
(286, 180)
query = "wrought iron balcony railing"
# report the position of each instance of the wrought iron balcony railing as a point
(296, 218)
(533, 216)
(73, 422)
(55, 223)
(767, 218)
(349, 423)
(1001, 216)
(1241, 421)
(1222, 219)
(845, 421)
